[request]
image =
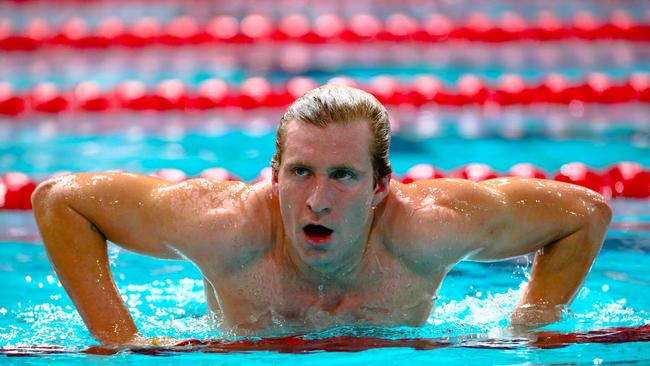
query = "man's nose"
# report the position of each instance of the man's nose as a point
(318, 201)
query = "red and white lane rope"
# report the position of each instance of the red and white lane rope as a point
(621, 180)
(69, 65)
(260, 93)
(327, 28)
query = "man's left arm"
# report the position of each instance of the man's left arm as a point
(564, 223)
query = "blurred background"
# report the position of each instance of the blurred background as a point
(187, 88)
(557, 89)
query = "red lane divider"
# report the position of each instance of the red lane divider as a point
(15, 191)
(326, 28)
(621, 180)
(258, 92)
(343, 343)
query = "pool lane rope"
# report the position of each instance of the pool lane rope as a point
(345, 343)
(297, 28)
(258, 92)
(621, 180)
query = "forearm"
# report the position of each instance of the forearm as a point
(557, 273)
(79, 255)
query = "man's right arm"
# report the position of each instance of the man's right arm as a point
(76, 214)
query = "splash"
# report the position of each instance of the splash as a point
(474, 314)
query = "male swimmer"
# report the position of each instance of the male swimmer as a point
(330, 240)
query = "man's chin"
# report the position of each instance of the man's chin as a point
(320, 255)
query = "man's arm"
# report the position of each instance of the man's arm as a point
(76, 214)
(568, 222)
(508, 217)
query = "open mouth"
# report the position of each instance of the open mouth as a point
(317, 233)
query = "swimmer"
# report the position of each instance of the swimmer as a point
(330, 240)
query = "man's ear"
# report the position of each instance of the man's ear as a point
(274, 177)
(381, 190)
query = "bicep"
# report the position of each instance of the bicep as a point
(122, 208)
(525, 215)
(443, 221)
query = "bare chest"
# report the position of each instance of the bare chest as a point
(270, 298)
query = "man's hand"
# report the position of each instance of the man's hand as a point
(531, 316)
(138, 341)
(141, 341)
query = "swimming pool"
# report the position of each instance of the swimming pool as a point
(610, 318)
(471, 316)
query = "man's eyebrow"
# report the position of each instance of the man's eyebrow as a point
(302, 164)
(342, 167)
(293, 164)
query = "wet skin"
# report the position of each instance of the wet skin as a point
(321, 244)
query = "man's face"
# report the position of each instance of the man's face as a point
(325, 186)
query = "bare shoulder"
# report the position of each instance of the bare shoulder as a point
(223, 221)
(464, 196)
(429, 222)
(437, 199)
(203, 197)
(444, 192)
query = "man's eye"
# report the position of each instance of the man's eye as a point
(342, 174)
(301, 172)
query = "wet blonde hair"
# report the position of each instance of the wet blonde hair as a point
(340, 104)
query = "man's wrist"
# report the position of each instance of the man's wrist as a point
(537, 315)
